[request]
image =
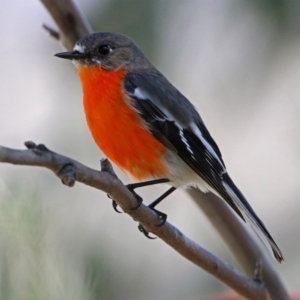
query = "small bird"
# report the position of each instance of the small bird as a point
(148, 128)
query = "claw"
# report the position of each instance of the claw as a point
(114, 204)
(162, 217)
(138, 198)
(145, 232)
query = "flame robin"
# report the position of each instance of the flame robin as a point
(148, 128)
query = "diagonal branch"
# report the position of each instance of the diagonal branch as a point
(70, 171)
(71, 22)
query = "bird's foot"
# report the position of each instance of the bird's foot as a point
(138, 198)
(162, 217)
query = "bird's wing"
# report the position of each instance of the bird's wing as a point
(179, 130)
(174, 121)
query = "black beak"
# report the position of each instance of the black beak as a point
(71, 55)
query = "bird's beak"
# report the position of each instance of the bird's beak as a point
(71, 55)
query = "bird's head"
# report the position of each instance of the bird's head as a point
(109, 50)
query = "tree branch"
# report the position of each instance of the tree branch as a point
(240, 242)
(70, 171)
(71, 22)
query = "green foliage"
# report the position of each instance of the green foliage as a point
(97, 282)
(284, 13)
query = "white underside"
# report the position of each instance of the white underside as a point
(181, 175)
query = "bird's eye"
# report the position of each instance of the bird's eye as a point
(104, 49)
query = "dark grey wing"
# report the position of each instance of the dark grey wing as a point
(202, 155)
(174, 121)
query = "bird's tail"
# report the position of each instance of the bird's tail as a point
(251, 218)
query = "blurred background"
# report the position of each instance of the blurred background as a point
(237, 61)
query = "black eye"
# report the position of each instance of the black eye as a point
(104, 49)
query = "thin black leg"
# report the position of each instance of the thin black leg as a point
(161, 216)
(136, 185)
(133, 186)
(162, 197)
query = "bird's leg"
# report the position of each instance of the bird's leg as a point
(161, 216)
(136, 185)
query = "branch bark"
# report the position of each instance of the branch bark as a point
(71, 22)
(70, 171)
(240, 242)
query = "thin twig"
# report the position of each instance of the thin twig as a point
(70, 171)
(52, 32)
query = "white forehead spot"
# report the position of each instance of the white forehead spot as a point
(79, 48)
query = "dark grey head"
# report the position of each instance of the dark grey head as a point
(107, 49)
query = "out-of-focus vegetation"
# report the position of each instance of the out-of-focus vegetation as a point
(33, 263)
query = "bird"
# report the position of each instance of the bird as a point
(148, 128)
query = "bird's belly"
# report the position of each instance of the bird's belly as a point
(129, 146)
(117, 128)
